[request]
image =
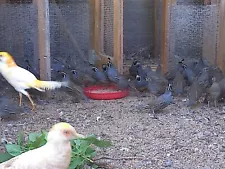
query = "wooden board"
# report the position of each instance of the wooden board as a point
(118, 35)
(44, 39)
(221, 37)
(164, 51)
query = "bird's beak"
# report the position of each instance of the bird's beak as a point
(77, 135)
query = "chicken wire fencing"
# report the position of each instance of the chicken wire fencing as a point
(193, 31)
(138, 29)
(69, 31)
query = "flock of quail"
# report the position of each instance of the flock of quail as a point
(192, 78)
(186, 77)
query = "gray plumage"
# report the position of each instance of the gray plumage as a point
(133, 69)
(214, 92)
(194, 93)
(178, 84)
(156, 88)
(161, 102)
(122, 82)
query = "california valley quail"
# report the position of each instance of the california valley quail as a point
(141, 83)
(99, 76)
(199, 66)
(112, 73)
(161, 102)
(133, 69)
(84, 78)
(188, 74)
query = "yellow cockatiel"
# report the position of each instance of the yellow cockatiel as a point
(21, 79)
(55, 154)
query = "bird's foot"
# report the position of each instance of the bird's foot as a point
(33, 108)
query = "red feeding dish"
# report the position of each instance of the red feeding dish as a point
(99, 92)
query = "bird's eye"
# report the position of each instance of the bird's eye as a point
(74, 72)
(66, 132)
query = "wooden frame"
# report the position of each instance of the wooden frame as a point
(221, 37)
(118, 34)
(156, 37)
(209, 39)
(164, 51)
(44, 39)
(97, 40)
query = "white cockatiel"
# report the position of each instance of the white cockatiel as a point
(55, 154)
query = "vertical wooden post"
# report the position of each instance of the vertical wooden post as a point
(92, 23)
(118, 34)
(97, 26)
(156, 36)
(166, 6)
(221, 37)
(209, 38)
(44, 39)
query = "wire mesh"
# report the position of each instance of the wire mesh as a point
(138, 29)
(18, 29)
(193, 31)
(69, 31)
(107, 26)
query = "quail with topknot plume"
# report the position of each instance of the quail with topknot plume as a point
(160, 102)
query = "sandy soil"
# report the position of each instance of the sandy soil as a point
(181, 138)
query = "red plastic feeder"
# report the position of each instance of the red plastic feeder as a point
(111, 92)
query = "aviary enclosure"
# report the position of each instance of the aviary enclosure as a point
(120, 29)
(152, 31)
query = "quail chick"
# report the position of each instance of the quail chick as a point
(178, 84)
(194, 93)
(188, 74)
(214, 92)
(205, 79)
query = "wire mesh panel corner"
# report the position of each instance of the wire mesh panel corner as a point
(193, 30)
(18, 30)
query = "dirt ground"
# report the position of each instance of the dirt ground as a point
(180, 138)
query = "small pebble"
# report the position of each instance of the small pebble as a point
(168, 163)
(124, 149)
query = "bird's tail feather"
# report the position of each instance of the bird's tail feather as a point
(49, 85)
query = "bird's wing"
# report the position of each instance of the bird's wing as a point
(31, 159)
(18, 74)
(8, 164)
